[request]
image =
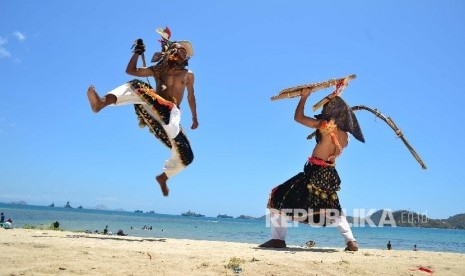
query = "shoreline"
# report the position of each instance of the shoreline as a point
(33, 251)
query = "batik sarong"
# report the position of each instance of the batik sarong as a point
(308, 194)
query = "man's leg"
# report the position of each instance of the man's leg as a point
(172, 167)
(344, 228)
(121, 95)
(181, 152)
(161, 179)
(174, 125)
(278, 231)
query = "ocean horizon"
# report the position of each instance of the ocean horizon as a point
(241, 230)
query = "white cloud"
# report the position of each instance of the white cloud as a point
(19, 36)
(4, 53)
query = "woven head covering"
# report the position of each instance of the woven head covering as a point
(167, 44)
(336, 109)
(188, 46)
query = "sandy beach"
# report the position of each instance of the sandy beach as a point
(46, 252)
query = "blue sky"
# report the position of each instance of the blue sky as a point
(408, 57)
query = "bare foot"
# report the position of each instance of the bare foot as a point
(161, 179)
(95, 101)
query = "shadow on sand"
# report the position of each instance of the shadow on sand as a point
(300, 249)
(116, 238)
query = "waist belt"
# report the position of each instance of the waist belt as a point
(319, 162)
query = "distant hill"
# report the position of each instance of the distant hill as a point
(457, 221)
(246, 217)
(404, 218)
(101, 207)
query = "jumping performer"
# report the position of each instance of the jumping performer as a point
(159, 109)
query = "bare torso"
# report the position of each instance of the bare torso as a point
(175, 82)
(326, 148)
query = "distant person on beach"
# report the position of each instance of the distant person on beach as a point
(389, 246)
(105, 231)
(121, 233)
(311, 196)
(56, 225)
(2, 217)
(415, 247)
(159, 109)
(8, 224)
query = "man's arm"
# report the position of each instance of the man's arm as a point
(132, 69)
(191, 99)
(299, 115)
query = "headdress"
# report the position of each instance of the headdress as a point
(336, 109)
(165, 33)
(166, 44)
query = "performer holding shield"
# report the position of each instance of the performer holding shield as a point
(159, 109)
(311, 196)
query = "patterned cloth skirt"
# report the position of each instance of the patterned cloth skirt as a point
(162, 109)
(304, 196)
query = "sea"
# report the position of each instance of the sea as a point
(243, 230)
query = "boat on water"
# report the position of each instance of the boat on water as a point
(191, 214)
(68, 205)
(223, 216)
(51, 205)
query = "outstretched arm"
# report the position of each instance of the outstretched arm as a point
(299, 115)
(132, 69)
(191, 99)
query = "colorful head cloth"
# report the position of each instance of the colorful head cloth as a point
(336, 109)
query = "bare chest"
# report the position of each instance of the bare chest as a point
(176, 78)
(173, 86)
